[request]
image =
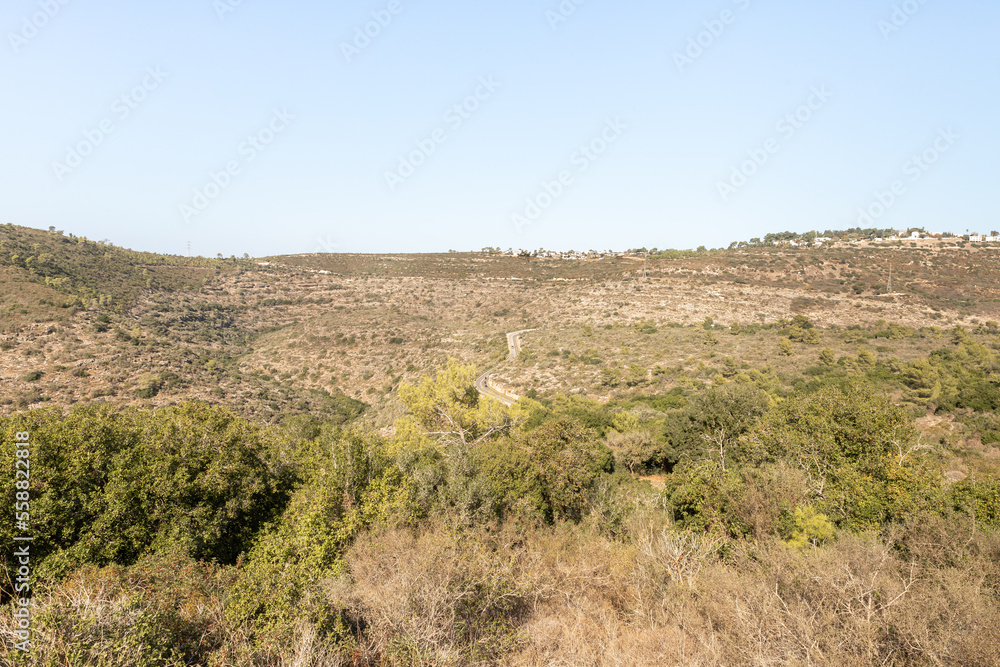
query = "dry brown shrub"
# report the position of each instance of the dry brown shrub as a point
(766, 493)
(311, 650)
(436, 595)
(927, 594)
(853, 602)
(165, 610)
(607, 603)
(955, 615)
(828, 606)
(669, 556)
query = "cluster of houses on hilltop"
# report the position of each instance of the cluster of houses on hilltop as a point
(993, 237)
(555, 254)
(802, 243)
(900, 235)
(785, 239)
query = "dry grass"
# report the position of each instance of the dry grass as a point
(854, 603)
(164, 611)
(271, 327)
(666, 598)
(436, 597)
(566, 595)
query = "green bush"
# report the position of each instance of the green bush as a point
(355, 483)
(111, 486)
(148, 385)
(979, 499)
(569, 461)
(587, 411)
(545, 473)
(852, 446)
(712, 422)
(645, 326)
(701, 497)
(811, 528)
(510, 480)
(785, 348)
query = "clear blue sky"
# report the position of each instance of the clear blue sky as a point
(666, 121)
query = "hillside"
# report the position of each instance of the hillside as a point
(759, 451)
(93, 321)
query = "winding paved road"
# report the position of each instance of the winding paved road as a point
(514, 343)
(482, 382)
(486, 390)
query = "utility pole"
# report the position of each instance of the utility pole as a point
(189, 248)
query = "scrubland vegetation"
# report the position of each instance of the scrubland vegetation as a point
(814, 527)
(809, 476)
